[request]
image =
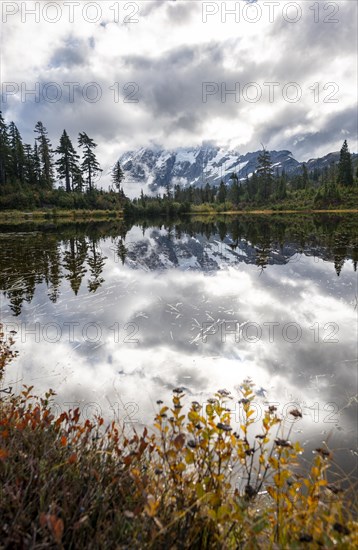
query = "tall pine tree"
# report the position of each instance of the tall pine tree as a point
(234, 191)
(36, 164)
(264, 175)
(5, 158)
(345, 169)
(45, 154)
(117, 176)
(67, 164)
(90, 166)
(221, 196)
(17, 153)
(29, 165)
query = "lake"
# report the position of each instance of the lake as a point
(113, 316)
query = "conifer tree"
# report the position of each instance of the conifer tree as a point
(36, 164)
(345, 169)
(17, 153)
(234, 191)
(45, 154)
(264, 174)
(222, 192)
(5, 158)
(29, 167)
(77, 179)
(67, 164)
(117, 176)
(305, 178)
(281, 190)
(253, 186)
(207, 193)
(90, 166)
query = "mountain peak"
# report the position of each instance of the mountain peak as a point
(156, 167)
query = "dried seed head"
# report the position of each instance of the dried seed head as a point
(250, 491)
(223, 393)
(305, 538)
(323, 452)
(296, 413)
(212, 401)
(283, 443)
(341, 528)
(224, 427)
(244, 401)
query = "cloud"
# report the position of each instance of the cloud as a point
(169, 54)
(74, 53)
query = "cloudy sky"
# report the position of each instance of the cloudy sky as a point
(132, 74)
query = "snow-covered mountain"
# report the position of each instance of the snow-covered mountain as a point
(155, 168)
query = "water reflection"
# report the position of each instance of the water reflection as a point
(113, 317)
(74, 252)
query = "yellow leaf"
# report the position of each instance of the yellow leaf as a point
(189, 457)
(151, 506)
(271, 491)
(193, 416)
(171, 455)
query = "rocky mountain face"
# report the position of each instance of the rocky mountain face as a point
(156, 168)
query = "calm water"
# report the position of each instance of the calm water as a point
(113, 317)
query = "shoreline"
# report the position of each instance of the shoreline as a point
(14, 216)
(49, 216)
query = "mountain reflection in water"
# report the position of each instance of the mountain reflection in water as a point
(113, 317)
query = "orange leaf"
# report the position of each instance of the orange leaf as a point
(3, 454)
(63, 441)
(73, 458)
(58, 528)
(43, 519)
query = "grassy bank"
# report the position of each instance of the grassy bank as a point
(192, 481)
(57, 215)
(301, 201)
(16, 217)
(211, 211)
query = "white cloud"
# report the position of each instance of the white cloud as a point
(169, 53)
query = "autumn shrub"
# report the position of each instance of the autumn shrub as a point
(192, 480)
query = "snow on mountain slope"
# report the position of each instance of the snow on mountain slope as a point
(154, 169)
